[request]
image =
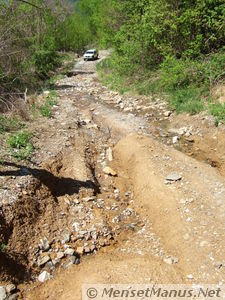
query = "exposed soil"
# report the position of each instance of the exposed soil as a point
(134, 227)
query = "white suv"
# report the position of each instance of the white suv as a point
(91, 54)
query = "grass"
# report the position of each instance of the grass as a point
(46, 108)
(8, 124)
(218, 111)
(184, 83)
(20, 145)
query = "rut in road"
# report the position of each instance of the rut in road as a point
(178, 235)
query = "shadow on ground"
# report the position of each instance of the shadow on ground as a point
(59, 186)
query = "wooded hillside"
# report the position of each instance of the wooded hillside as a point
(181, 42)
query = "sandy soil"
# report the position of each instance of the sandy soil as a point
(168, 230)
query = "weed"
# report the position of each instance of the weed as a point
(218, 111)
(9, 124)
(51, 99)
(3, 247)
(20, 145)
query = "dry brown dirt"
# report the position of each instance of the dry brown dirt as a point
(142, 222)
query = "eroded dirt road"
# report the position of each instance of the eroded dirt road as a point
(159, 220)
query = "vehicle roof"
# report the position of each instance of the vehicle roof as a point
(91, 50)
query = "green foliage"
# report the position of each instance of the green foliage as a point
(51, 99)
(45, 61)
(187, 100)
(3, 247)
(218, 111)
(21, 145)
(9, 124)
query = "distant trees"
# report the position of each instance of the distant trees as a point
(143, 33)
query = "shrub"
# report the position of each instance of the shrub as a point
(45, 61)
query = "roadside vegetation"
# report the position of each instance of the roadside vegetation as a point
(177, 52)
(20, 145)
(51, 100)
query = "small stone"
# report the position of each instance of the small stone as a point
(76, 201)
(80, 250)
(44, 244)
(87, 249)
(175, 139)
(65, 238)
(218, 265)
(89, 199)
(72, 259)
(56, 261)
(101, 242)
(10, 288)
(60, 255)
(109, 171)
(109, 154)
(43, 260)
(69, 251)
(173, 177)
(171, 260)
(13, 297)
(167, 113)
(2, 293)
(186, 237)
(190, 276)
(44, 276)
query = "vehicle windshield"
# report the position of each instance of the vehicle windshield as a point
(90, 52)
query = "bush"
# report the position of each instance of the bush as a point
(21, 145)
(45, 61)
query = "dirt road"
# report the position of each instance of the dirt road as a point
(165, 209)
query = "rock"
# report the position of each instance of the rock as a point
(175, 139)
(60, 255)
(2, 293)
(180, 131)
(69, 251)
(43, 260)
(171, 260)
(65, 238)
(89, 199)
(121, 105)
(87, 249)
(109, 171)
(218, 265)
(44, 244)
(13, 297)
(76, 201)
(10, 288)
(109, 154)
(173, 177)
(55, 261)
(80, 250)
(167, 113)
(72, 261)
(190, 276)
(186, 237)
(44, 276)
